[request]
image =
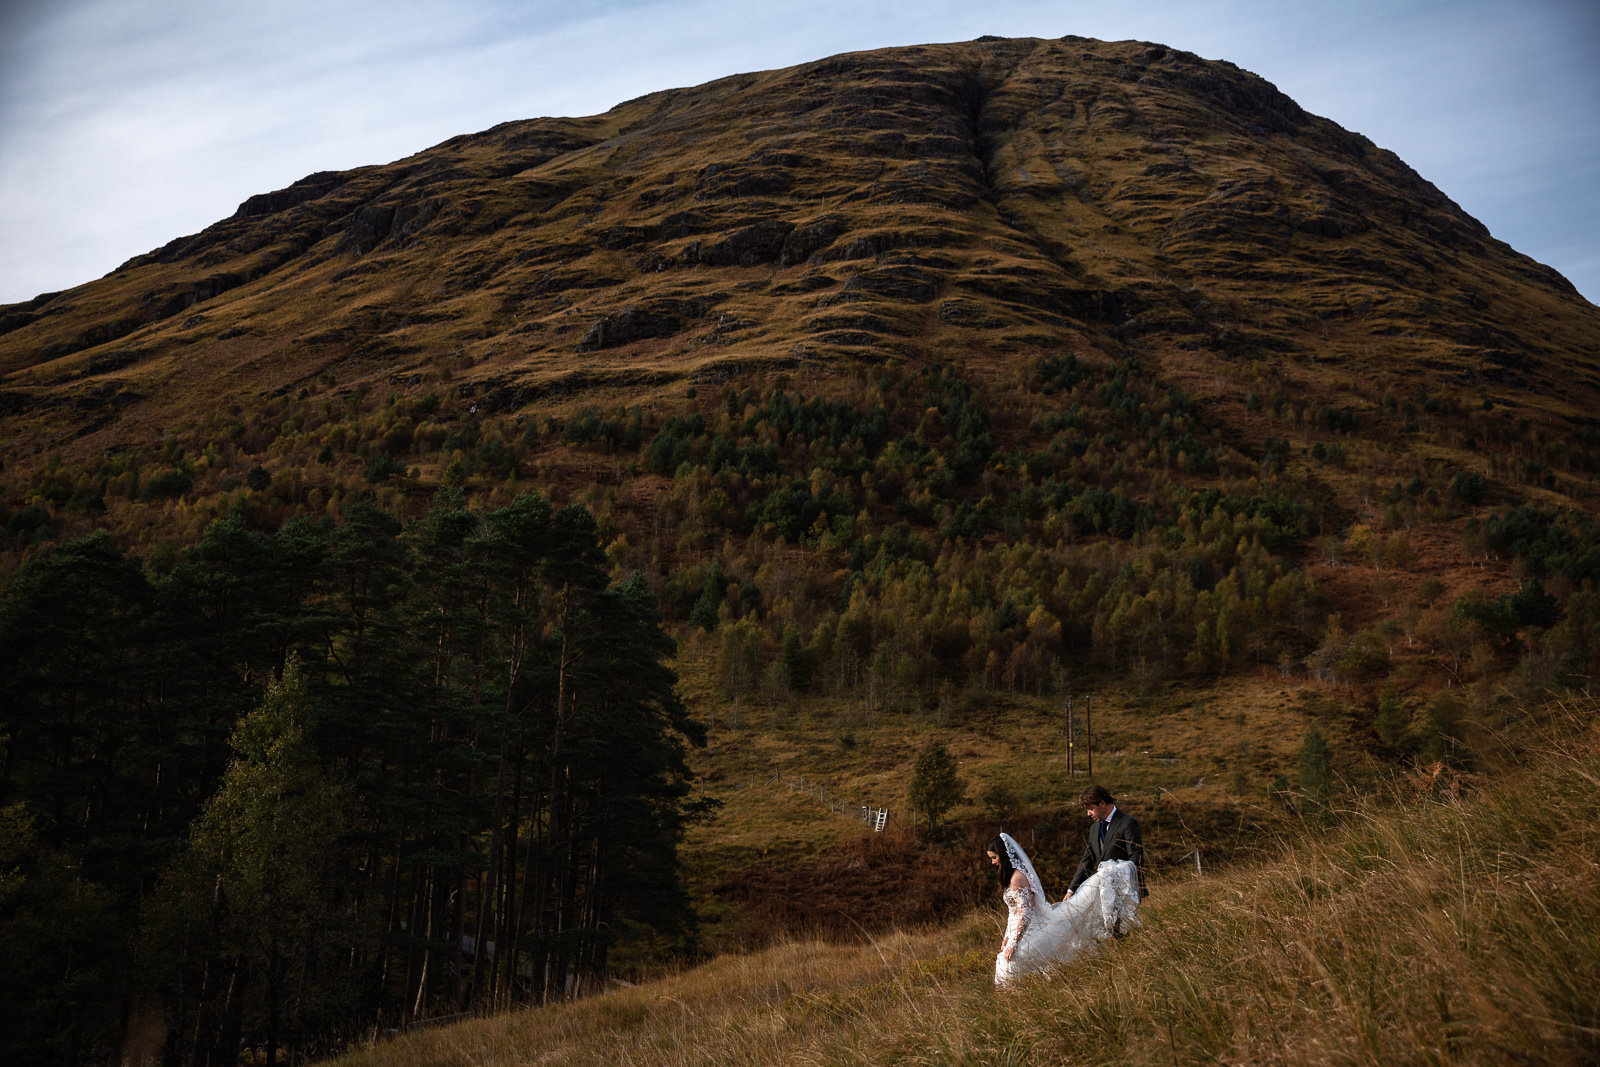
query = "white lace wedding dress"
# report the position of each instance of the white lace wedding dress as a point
(1042, 934)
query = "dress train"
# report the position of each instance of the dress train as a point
(1107, 903)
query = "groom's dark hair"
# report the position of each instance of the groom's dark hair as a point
(1096, 794)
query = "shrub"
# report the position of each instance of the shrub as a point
(1001, 802)
(1469, 487)
(382, 467)
(168, 485)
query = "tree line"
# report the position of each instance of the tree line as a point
(330, 778)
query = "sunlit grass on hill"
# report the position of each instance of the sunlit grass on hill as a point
(1455, 921)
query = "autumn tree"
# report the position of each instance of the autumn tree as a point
(253, 922)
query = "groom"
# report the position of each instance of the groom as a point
(1114, 835)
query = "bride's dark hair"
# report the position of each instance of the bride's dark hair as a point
(998, 847)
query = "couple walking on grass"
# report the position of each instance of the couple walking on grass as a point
(1102, 899)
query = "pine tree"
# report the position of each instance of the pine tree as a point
(1316, 777)
(704, 612)
(76, 667)
(64, 952)
(1392, 721)
(935, 785)
(796, 665)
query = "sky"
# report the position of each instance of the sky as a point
(127, 123)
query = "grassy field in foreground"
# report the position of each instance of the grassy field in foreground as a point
(1456, 923)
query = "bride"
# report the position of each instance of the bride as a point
(1039, 934)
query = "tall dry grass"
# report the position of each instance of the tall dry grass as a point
(1458, 927)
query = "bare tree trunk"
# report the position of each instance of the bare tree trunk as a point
(505, 974)
(532, 878)
(554, 914)
(424, 924)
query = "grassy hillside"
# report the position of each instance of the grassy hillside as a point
(1453, 920)
(1198, 764)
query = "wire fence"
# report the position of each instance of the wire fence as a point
(877, 818)
(440, 1020)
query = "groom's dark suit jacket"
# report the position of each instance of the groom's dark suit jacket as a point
(1123, 842)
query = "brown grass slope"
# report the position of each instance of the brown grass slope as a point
(978, 200)
(1445, 925)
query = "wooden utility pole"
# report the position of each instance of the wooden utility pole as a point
(1072, 738)
(1088, 733)
(1071, 770)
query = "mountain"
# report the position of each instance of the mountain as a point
(983, 199)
